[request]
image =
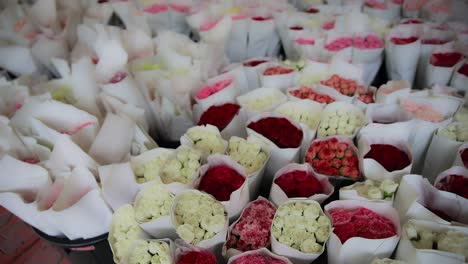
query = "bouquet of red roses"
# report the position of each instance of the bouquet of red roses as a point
(358, 223)
(277, 76)
(252, 230)
(454, 180)
(226, 117)
(279, 134)
(334, 156)
(462, 156)
(225, 179)
(299, 181)
(189, 254)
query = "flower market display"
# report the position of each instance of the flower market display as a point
(162, 125)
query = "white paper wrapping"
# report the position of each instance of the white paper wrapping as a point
(358, 249)
(279, 81)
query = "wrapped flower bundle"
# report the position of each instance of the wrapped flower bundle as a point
(453, 183)
(361, 222)
(209, 90)
(344, 86)
(390, 157)
(299, 230)
(252, 230)
(195, 257)
(334, 157)
(277, 70)
(298, 184)
(183, 167)
(154, 202)
(261, 100)
(274, 128)
(205, 138)
(455, 131)
(220, 182)
(305, 92)
(247, 153)
(305, 112)
(150, 251)
(340, 118)
(370, 190)
(219, 116)
(149, 165)
(258, 258)
(198, 217)
(366, 95)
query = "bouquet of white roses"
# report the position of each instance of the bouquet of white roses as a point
(152, 251)
(182, 169)
(261, 100)
(340, 118)
(149, 165)
(300, 230)
(206, 138)
(370, 190)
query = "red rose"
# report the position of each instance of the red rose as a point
(456, 184)
(403, 41)
(296, 28)
(464, 69)
(308, 93)
(446, 59)
(412, 21)
(390, 157)
(195, 257)
(299, 184)
(260, 18)
(254, 63)
(276, 71)
(219, 116)
(433, 41)
(279, 130)
(220, 182)
(312, 10)
(344, 86)
(360, 222)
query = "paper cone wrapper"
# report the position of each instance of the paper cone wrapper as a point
(185, 140)
(118, 183)
(259, 94)
(458, 80)
(392, 91)
(344, 54)
(345, 69)
(279, 197)
(29, 178)
(279, 156)
(438, 75)
(134, 245)
(352, 194)
(126, 91)
(415, 194)
(389, 14)
(135, 113)
(141, 160)
(226, 95)
(358, 249)
(373, 169)
(313, 108)
(462, 201)
(17, 60)
(213, 244)
(261, 251)
(158, 21)
(44, 49)
(361, 104)
(308, 51)
(111, 237)
(174, 124)
(262, 38)
(252, 72)
(236, 46)
(161, 227)
(341, 139)
(409, 254)
(237, 70)
(231, 252)
(402, 60)
(370, 70)
(114, 129)
(219, 33)
(366, 55)
(458, 159)
(386, 113)
(440, 155)
(67, 155)
(279, 81)
(240, 197)
(295, 256)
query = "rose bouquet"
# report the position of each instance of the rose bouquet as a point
(205, 138)
(366, 95)
(334, 157)
(442, 63)
(357, 223)
(226, 180)
(340, 118)
(345, 86)
(250, 155)
(453, 180)
(389, 10)
(299, 181)
(280, 136)
(277, 76)
(305, 92)
(252, 230)
(442, 150)
(337, 43)
(150, 251)
(199, 219)
(370, 190)
(152, 210)
(148, 166)
(368, 51)
(124, 231)
(189, 254)
(402, 47)
(430, 113)
(182, 169)
(386, 154)
(304, 112)
(259, 256)
(461, 158)
(392, 91)
(166, 15)
(300, 230)
(418, 199)
(424, 241)
(228, 118)
(261, 100)
(218, 90)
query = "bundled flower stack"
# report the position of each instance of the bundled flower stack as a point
(89, 91)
